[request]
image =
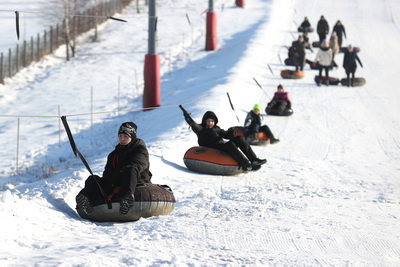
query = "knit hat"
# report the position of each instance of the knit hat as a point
(129, 129)
(280, 86)
(209, 115)
(257, 106)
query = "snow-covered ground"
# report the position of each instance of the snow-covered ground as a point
(329, 194)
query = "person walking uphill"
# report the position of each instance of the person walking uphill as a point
(340, 31)
(322, 29)
(126, 166)
(305, 25)
(252, 125)
(211, 135)
(334, 45)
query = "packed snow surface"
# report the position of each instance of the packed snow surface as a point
(328, 195)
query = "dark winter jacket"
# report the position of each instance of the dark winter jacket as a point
(349, 61)
(340, 30)
(209, 137)
(323, 26)
(252, 121)
(127, 165)
(299, 49)
(282, 97)
(305, 24)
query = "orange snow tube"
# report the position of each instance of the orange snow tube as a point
(291, 74)
(261, 140)
(211, 161)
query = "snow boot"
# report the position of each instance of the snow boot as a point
(246, 167)
(82, 202)
(126, 203)
(274, 140)
(258, 162)
(255, 167)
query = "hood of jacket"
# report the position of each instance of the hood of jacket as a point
(209, 115)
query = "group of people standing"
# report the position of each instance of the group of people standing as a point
(328, 49)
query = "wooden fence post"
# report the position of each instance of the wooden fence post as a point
(51, 39)
(17, 154)
(17, 59)
(24, 64)
(1, 69)
(32, 51)
(9, 62)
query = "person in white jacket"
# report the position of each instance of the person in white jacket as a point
(334, 45)
(324, 59)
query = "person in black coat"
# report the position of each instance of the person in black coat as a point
(126, 166)
(340, 31)
(298, 51)
(211, 135)
(322, 29)
(305, 25)
(350, 64)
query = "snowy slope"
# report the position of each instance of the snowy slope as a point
(329, 194)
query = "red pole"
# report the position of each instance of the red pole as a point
(240, 3)
(152, 84)
(211, 33)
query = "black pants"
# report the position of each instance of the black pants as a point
(350, 82)
(94, 190)
(277, 107)
(299, 62)
(256, 128)
(326, 68)
(232, 148)
(322, 36)
(340, 41)
(97, 189)
(265, 129)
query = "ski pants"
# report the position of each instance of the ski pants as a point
(326, 68)
(352, 73)
(322, 36)
(98, 189)
(232, 148)
(256, 128)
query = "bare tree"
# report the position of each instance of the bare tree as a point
(68, 11)
(96, 13)
(137, 6)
